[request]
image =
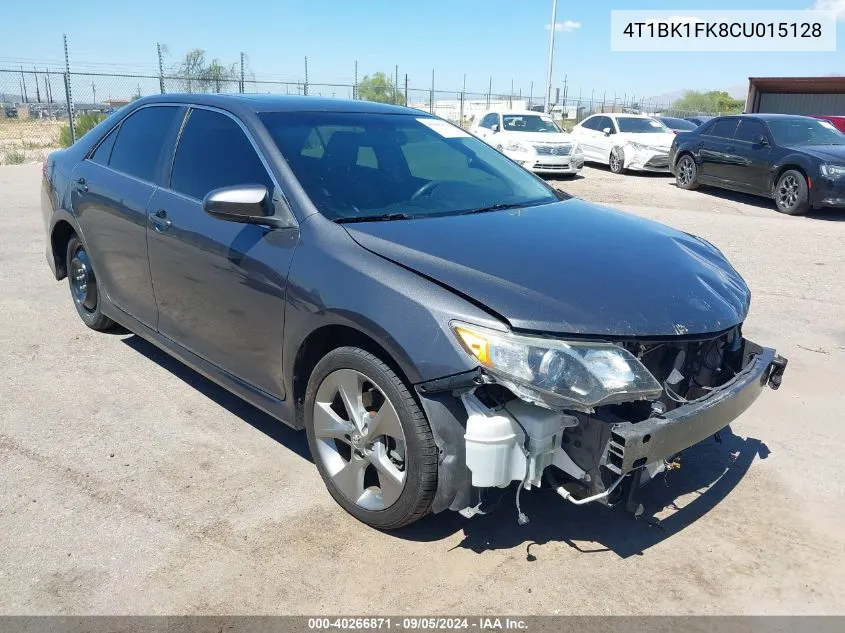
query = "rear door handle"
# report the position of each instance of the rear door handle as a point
(81, 185)
(159, 221)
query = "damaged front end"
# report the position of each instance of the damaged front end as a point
(595, 420)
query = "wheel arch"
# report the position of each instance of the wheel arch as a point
(786, 166)
(60, 236)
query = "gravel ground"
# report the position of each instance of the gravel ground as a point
(130, 484)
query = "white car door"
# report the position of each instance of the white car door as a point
(583, 134)
(604, 141)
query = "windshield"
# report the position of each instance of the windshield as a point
(638, 125)
(805, 132)
(529, 123)
(389, 166)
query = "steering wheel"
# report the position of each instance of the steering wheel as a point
(428, 187)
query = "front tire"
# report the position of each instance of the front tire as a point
(370, 440)
(791, 193)
(83, 286)
(617, 161)
(686, 173)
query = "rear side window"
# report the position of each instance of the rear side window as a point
(103, 152)
(140, 139)
(749, 131)
(214, 152)
(724, 128)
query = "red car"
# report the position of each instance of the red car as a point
(838, 121)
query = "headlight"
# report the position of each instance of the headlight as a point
(833, 171)
(576, 373)
(516, 146)
(644, 148)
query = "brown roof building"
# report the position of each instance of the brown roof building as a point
(796, 95)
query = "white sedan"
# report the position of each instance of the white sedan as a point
(625, 141)
(531, 139)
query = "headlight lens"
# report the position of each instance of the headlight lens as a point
(645, 148)
(581, 374)
(515, 146)
(833, 171)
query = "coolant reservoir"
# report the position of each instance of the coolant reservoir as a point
(490, 441)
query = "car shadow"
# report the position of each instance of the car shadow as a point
(766, 204)
(291, 439)
(709, 472)
(631, 172)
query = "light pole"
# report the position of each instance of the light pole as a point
(548, 103)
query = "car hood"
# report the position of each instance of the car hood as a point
(540, 137)
(834, 153)
(570, 267)
(657, 139)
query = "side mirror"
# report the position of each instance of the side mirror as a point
(495, 127)
(761, 140)
(247, 204)
(607, 131)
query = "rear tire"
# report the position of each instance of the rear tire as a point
(686, 173)
(83, 286)
(791, 193)
(379, 460)
(617, 160)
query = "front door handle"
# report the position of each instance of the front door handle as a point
(81, 185)
(159, 221)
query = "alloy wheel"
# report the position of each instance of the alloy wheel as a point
(685, 169)
(360, 441)
(788, 192)
(615, 161)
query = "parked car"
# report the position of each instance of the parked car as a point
(531, 139)
(798, 161)
(625, 141)
(440, 321)
(838, 121)
(698, 120)
(677, 125)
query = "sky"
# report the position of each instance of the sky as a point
(507, 40)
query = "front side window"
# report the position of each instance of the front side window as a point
(805, 131)
(529, 123)
(490, 120)
(214, 152)
(378, 164)
(140, 139)
(638, 125)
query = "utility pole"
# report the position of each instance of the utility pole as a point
(23, 89)
(355, 86)
(396, 84)
(37, 88)
(463, 92)
(489, 90)
(94, 90)
(243, 88)
(431, 98)
(530, 95)
(69, 94)
(160, 69)
(305, 88)
(510, 98)
(551, 56)
(406, 88)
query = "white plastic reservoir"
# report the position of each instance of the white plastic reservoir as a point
(491, 438)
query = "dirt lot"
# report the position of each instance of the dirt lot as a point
(129, 484)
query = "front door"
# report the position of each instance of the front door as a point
(220, 285)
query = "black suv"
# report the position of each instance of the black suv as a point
(798, 161)
(439, 320)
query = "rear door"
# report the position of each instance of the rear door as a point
(752, 160)
(109, 195)
(219, 285)
(716, 147)
(605, 142)
(585, 133)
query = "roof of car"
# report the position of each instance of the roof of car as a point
(765, 116)
(281, 103)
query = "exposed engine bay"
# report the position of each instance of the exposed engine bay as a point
(605, 453)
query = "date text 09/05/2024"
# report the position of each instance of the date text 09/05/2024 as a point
(652, 29)
(417, 624)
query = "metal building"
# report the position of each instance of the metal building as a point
(796, 95)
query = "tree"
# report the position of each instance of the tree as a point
(84, 123)
(200, 75)
(379, 87)
(713, 102)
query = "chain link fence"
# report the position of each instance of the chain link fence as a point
(36, 105)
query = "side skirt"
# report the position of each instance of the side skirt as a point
(269, 404)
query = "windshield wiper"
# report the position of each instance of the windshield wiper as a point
(502, 206)
(384, 217)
